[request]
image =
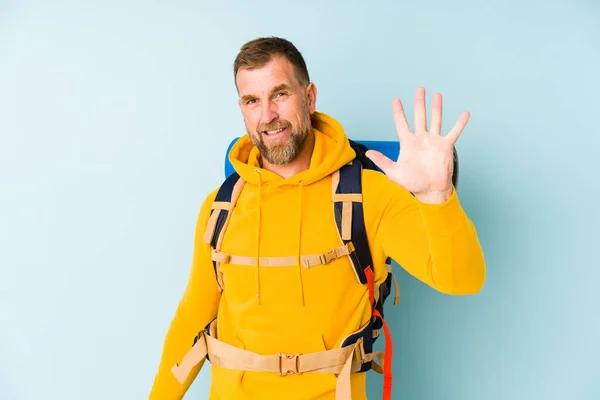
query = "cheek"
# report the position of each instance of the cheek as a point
(292, 114)
(251, 120)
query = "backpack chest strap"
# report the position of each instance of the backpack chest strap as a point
(306, 261)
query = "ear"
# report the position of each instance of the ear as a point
(311, 93)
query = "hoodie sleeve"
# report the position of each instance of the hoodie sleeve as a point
(435, 243)
(197, 307)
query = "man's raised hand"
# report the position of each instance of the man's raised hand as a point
(425, 163)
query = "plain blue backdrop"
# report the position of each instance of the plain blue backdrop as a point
(114, 121)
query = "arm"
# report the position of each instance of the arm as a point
(435, 243)
(196, 309)
(428, 234)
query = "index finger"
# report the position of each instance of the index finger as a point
(458, 127)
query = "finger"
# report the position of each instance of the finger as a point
(400, 118)
(436, 114)
(383, 162)
(420, 111)
(458, 127)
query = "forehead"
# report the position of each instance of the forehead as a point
(276, 72)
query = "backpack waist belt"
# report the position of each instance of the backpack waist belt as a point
(342, 361)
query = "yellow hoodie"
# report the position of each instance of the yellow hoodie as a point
(294, 309)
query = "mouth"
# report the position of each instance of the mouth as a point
(274, 133)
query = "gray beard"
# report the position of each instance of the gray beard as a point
(283, 153)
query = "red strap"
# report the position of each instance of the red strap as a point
(369, 275)
(387, 358)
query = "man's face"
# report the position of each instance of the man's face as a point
(276, 109)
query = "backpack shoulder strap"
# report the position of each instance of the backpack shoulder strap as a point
(220, 214)
(349, 216)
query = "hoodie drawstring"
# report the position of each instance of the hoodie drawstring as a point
(298, 240)
(300, 283)
(258, 222)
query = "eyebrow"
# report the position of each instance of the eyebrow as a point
(282, 86)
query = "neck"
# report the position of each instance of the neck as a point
(299, 164)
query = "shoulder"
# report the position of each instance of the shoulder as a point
(374, 177)
(210, 198)
(206, 206)
(226, 186)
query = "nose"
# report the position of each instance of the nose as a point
(268, 112)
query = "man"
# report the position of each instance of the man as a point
(283, 284)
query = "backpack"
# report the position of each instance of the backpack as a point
(349, 218)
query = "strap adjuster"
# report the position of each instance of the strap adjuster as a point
(220, 257)
(350, 247)
(289, 364)
(328, 257)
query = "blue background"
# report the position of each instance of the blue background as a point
(114, 121)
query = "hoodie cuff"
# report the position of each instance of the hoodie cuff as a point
(443, 218)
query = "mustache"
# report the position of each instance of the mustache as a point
(279, 124)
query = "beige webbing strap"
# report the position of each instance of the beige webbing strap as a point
(182, 370)
(338, 361)
(343, 387)
(397, 296)
(388, 265)
(376, 367)
(346, 220)
(326, 258)
(335, 181)
(224, 355)
(217, 206)
(251, 261)
(221, 205)
(235, 194)
(307, 261)
(211, 225)
(346, 199)
(341, 362)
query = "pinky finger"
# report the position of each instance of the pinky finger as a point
(458, 127)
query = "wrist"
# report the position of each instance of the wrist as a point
(434, 196)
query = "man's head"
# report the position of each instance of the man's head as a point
(276, 97)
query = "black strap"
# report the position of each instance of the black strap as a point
(351, 183)
(223, 195)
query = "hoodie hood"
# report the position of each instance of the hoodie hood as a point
(331, 151)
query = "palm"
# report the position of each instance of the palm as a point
(426, 158)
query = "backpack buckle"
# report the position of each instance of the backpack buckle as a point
(328, 257)
(350, 247)
(289, 364)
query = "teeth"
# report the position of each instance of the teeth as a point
(274, 132)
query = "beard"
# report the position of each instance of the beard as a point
(283, 151)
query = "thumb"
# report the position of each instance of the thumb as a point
(383, 162)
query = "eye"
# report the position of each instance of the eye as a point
(280, 94)
(251, 101)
